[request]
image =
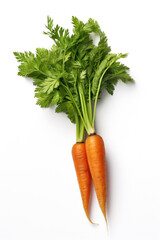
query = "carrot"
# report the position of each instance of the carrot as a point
(83, 174)
(73, 82)
(96, 159)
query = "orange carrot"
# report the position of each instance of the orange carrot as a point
(83, 174)
(96, 159)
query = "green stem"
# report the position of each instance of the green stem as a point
(79, 129)
(96, 98)
(88, 126)
(80, 123)
(89, 104)
(72, 98)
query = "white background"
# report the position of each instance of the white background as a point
(39, 195)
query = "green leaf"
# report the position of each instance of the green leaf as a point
(49, 84)
(116, 72)
(55, 98)
(42, 99)
(91, 26)
(28, 63)
(42, 55)
(109, 86)
(58, 34)
(68, 108)
(102, 68)
(77, 24)
(73, 60)
(66, 58)
(49, 25)
(83, 75)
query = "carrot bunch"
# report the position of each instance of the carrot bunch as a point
(71, 76)
(89, 161)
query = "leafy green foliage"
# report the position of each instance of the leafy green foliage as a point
(116, 72)
(49, 84)
(58, 34)
(72, 63)
(102, 68)
(68, 108)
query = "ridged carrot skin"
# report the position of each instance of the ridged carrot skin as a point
(83, 174)
(96, 159)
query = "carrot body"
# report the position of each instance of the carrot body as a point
(83, 174)
(96, 159)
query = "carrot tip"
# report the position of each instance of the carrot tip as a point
(91, 221)
(95, 223)
(106, 223)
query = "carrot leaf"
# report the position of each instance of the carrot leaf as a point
(73, 72)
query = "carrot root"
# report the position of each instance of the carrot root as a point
(83, 174)
(96, 159)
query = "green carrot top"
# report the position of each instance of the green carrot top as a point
(72, 74)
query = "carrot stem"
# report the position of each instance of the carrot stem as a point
(96, 98)
(79, 129)
(89, 104)
(88, 126)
